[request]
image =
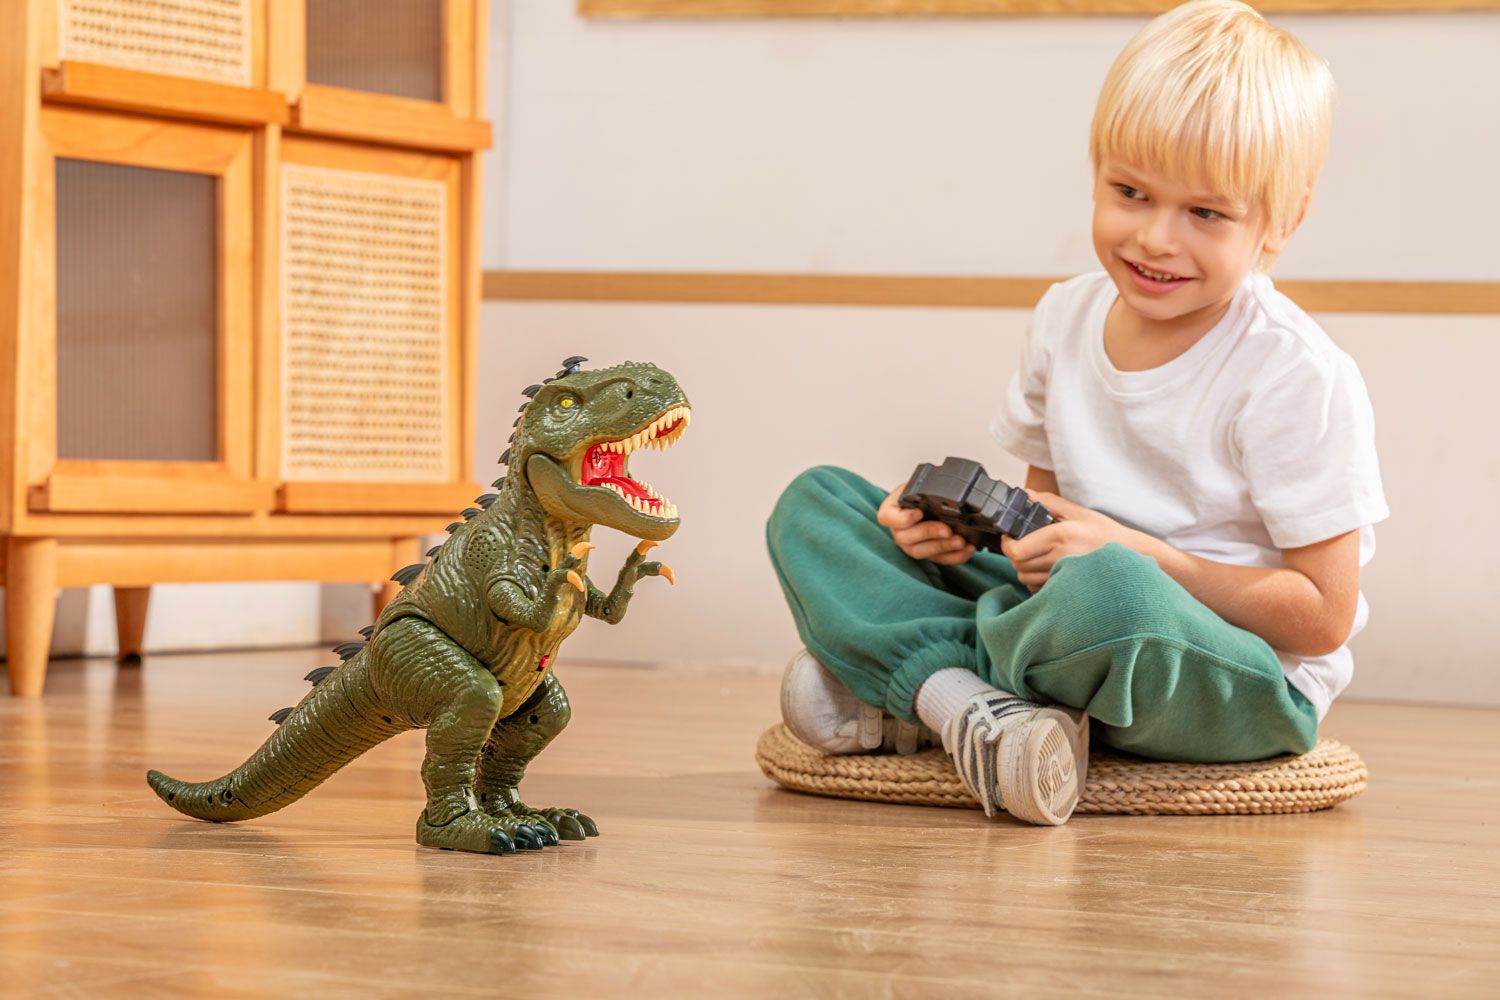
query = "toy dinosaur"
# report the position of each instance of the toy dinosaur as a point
(463, 650)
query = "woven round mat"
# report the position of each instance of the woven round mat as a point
(1323, 777)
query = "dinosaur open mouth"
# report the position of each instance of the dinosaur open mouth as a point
(604, 463)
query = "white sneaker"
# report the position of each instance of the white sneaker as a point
(823, 713)
(1027, 759)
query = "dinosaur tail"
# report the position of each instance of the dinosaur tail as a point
(340, 719)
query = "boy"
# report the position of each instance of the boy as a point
(1206, 450)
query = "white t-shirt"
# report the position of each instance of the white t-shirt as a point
(1260, 437)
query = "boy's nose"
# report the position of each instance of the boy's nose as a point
(1157, 235)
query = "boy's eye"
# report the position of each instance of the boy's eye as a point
(1127, 191)
(1206, 213)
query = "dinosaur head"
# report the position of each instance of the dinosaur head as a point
(574, 441)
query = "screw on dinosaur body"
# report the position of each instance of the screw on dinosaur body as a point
(463, 651)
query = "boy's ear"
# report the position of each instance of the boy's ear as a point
(1276, 242)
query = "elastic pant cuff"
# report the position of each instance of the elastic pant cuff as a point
(901, 692)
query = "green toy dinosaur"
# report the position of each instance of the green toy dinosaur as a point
(463, 650)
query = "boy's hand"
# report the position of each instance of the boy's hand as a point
(1076, 531)
(921, 539)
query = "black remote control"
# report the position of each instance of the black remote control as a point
(978, 509)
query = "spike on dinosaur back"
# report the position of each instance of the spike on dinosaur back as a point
(367, 631)
(348, 649)
(430, 553)
(505, 458)
(532, 390)
(574, 361)
(316, 676)
(484, 500)
(499, 484)
(469, 513)
(279, 716)
(454, 527)
(406, 574)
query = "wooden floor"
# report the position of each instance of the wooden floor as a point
(708, 880)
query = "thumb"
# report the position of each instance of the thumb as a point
(1056, 505)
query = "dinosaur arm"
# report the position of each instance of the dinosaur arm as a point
(611, 607)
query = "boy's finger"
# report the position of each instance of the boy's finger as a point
(931, 548)
(963, 555)
(1020, 550)
(898, 517)
(923, 532)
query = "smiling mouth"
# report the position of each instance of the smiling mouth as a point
(604, 463)
(1160, 276)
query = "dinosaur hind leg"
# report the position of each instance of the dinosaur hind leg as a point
(513, 743)
(457, 700)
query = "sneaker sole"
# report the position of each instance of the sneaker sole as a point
(1039, 776)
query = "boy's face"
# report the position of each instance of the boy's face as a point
(1175, 252)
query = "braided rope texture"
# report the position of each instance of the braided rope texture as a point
(1323, 777)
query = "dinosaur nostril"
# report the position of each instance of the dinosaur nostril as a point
(629, 393)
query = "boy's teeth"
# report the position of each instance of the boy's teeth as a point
(1155, 275)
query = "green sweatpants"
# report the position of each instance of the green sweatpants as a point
(1161, 674)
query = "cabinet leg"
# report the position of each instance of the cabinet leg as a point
(30, 607)
(404, 552)
(130, 620)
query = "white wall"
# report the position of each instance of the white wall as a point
(959, 147)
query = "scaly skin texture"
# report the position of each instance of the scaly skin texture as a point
(465, 650)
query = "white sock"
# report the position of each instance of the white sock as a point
(945, 692)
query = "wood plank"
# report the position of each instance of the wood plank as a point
(458, 70)
(119, 89)
(258, 524)
(124, 493)
(124, 563)
(983, 8)
(1427, 297)
(286, 47)
(376, 498)
(398, 121)
(707, 879)
(18, 218)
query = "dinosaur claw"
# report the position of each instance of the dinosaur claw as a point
(580, 550)
(546, 833)
(500, 843)
(576, 580)
(569, 828)
(527, 838)
(644, 547)
(666, 571)
(590, 828)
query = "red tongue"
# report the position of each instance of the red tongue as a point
(600, 467)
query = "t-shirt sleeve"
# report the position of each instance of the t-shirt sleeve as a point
(1307, 444)
(1020, 423)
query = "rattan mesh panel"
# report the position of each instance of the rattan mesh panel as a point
(203, 39)
(136, 313)
(383, 46)
(364, 281)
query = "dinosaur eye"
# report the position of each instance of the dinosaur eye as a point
(566, 401)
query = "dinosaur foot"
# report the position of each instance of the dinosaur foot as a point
(485, 834)
(570, 824)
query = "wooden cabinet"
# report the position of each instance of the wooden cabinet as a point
(238, 293)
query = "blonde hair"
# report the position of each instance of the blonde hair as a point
(1211, 92)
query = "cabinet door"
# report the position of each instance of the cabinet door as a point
(370, 350)
(140, 400)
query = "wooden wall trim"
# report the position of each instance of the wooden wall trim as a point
(1428, 297)
(981, 8)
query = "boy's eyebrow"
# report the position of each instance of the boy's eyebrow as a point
(1126, 175)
